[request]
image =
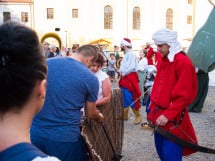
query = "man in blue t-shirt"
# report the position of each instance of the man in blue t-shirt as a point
(70, 86)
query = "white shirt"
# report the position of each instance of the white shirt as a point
(142, 64)
(101, 77)
(129, 63)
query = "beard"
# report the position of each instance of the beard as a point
(122, 48)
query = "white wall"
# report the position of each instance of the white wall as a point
(15, 9)
(202, 11)
(90, 26)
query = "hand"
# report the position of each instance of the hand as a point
(161, 120)
(100, 118)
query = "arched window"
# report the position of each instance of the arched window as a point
(169, 19)
(136, 18)
(108, 17)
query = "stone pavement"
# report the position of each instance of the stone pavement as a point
(138, 144)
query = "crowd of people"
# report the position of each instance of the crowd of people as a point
(49, 102)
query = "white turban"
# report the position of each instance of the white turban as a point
(155, 49)
(126, 42)
(169, 37)
(149, 42)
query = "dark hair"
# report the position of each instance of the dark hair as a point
(100, 60)
(75, 47)
(21, 65)
(112, 54)
(67, 52)
(88, 50)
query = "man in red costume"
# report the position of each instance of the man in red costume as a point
(152, 55)
(174, 88)
(129, 81)
(149, 51)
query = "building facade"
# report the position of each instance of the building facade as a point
(80, 22)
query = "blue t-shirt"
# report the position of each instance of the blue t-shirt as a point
(22, 152)
(69, 85)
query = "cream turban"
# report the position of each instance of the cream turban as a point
(149, 42)
(155, 49)
(169, 37)
(126, 42)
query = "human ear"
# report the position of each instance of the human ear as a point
(42, 88)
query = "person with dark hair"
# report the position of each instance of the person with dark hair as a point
(22, 92)
(75, 47)
(129, 82)
(111, 67)
(149, 51)
(203, 85)
(104, 93)
(142, 64)
(71, 86)
(174, 88)
(116, 52)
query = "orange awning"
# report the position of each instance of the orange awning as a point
(100, 42)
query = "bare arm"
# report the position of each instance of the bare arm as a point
(92, 112)
(106, 92)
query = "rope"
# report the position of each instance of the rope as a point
(138, 98)
(89, 144)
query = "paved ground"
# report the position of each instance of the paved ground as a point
(139, 144)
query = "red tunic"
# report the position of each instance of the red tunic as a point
(150, 55)
(131, 82)
(174, 88)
